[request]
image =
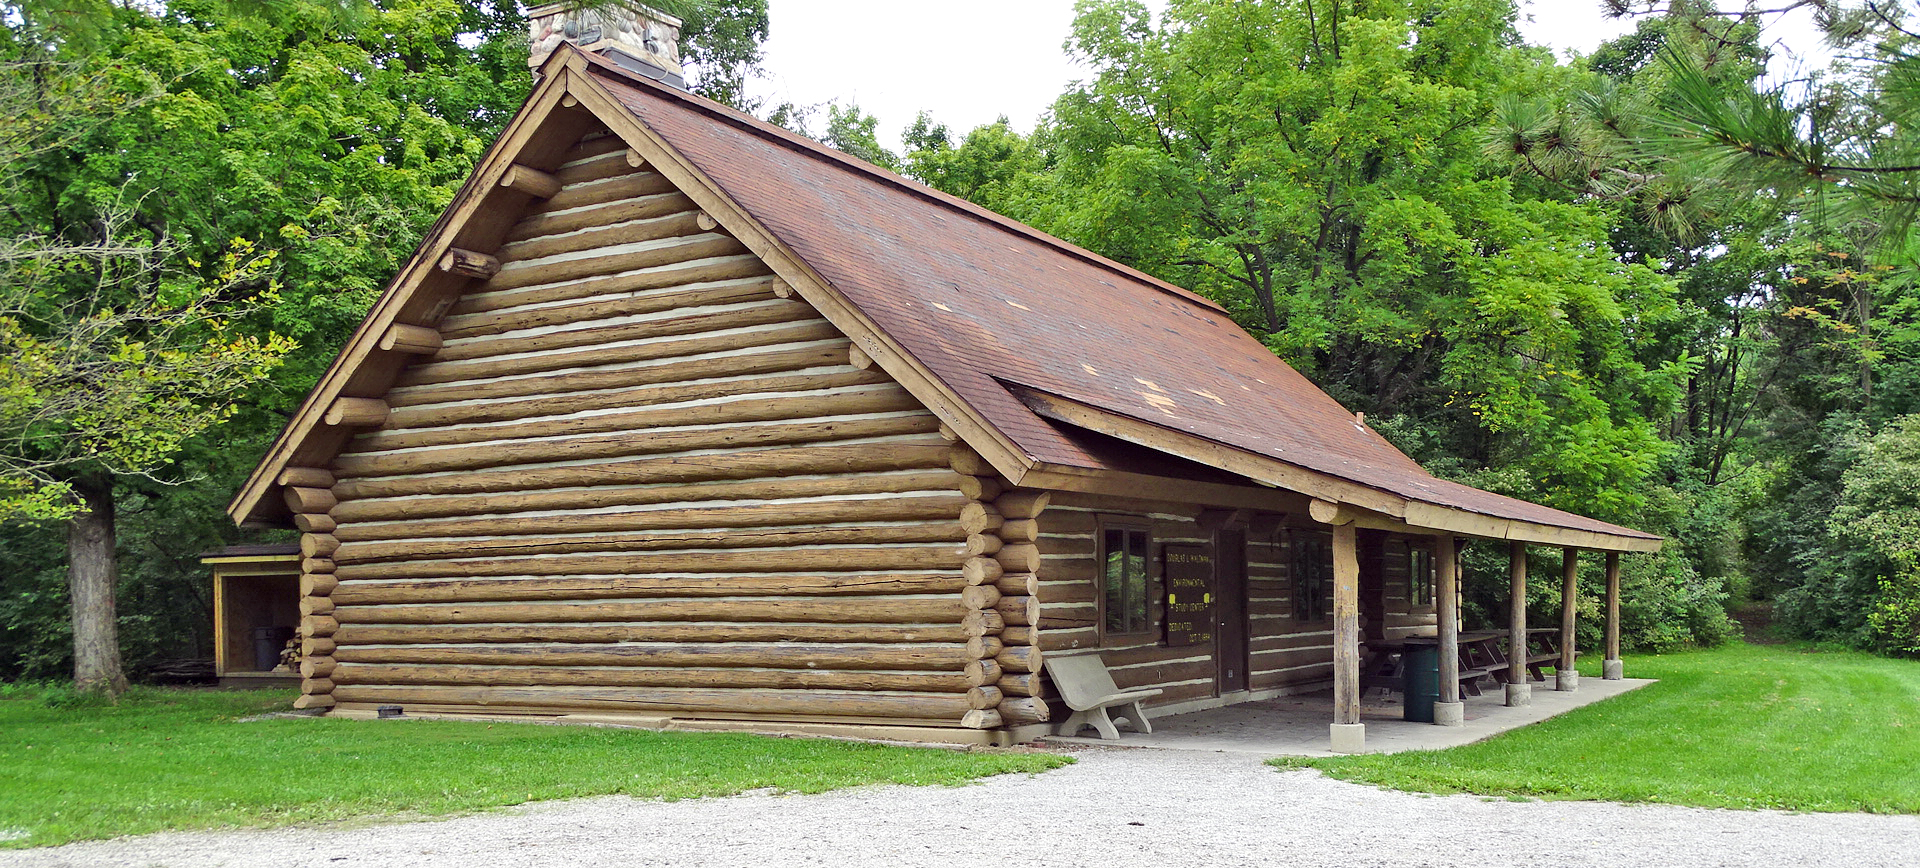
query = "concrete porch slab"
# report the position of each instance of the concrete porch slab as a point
(1297, 725)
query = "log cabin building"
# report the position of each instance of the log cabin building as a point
(681, 419)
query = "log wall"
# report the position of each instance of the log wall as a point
(636, 474)
(1284, 651)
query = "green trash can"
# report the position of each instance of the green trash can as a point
(1422, 668)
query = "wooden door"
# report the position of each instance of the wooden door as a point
(1230, 607)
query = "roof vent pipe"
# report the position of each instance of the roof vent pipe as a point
(641, 40)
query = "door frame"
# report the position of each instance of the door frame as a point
(1239, 592)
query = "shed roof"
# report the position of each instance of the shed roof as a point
(1021, 332)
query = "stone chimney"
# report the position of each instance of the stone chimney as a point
(637, 38)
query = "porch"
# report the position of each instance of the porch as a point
(1297, 725)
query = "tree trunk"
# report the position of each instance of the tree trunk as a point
(92, 575)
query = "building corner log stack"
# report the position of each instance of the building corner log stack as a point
(309, 496)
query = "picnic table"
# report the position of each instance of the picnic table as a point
(1483, 653)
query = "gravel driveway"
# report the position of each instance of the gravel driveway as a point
(1115, 807)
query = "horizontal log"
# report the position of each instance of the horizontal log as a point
(317, 667)
(841, 610)
(857, 357)
(667, 347)
(915, 656)
(318, 646)
(357, 413)
(764, 679)
(980, 518)
(316, 566)
(747, 289)
(1022, 503)
(980, 487)
(626, 186)
(316, 686)
(608, 235)
(613, 260)
(1020, 684)
(980, 718)
(706, 222)
(1019, 658)
(969, 462)
(979, 544)
(778, 513)
(597, 446)
(636, 587)
(413, 339)
(665, 496)
(319, 545)
(469, 263)
(608, 161)
(984, 622)
(884, 398)
(984, 697)
(317, 584)
(665, 540)
(985, 647)
(671, 274)
(725, 468)
(306, 477)
(1024, 530)
(305, 702)
(316, 606)
(311, 523)
(596, 333)
(982, 672)
(770, 560)
(981, 571)
(637, 208)
(931, 706)
(1019, 558)
(1023, 710)
(1052, 639)
(650, 383)
(1019, 610)
(318, 626)
(979, 596)
(399, 634)
(1020, 635)
(530, 181)
(1019, 584)
(301, 499)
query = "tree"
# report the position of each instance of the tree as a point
(1318, 168)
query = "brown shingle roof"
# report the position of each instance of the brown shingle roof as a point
(983, 301)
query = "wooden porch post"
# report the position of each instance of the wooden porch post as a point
(1565, 676)
(1519, 691)
(1448, 711)
(1347, 733)
(1612, 669)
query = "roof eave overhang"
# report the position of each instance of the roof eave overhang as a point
(1333, 500)
(403, 299)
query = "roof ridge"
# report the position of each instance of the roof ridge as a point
(781, 135)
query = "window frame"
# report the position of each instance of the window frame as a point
(1149, 629)
(1321, 612)
(1426, 603)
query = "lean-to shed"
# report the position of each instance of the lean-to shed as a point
(679, 417)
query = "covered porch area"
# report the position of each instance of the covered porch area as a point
(1513, 661)
(1297, 725)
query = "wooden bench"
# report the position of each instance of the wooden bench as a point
(1088, 688)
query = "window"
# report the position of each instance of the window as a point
(1419, 579)
(1312, 576)
(1124, 580)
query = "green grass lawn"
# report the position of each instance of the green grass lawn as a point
(1744, 726)
(183, 759)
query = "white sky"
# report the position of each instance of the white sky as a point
(969, 63)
